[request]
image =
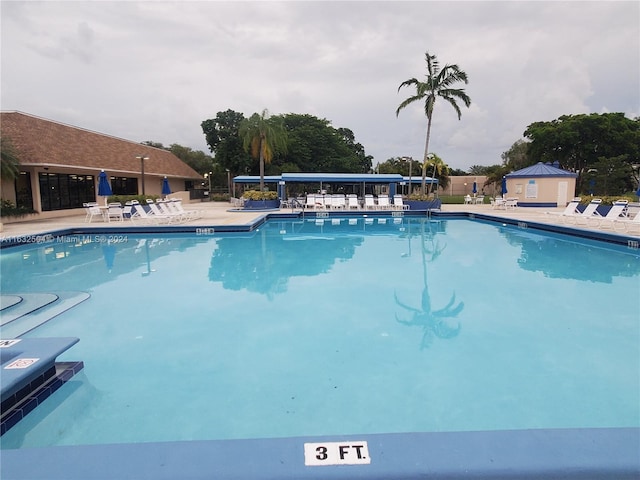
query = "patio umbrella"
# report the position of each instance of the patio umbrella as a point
(166, 189)
(638, 190)
(475, 188)
(104, 189)
(504, 186)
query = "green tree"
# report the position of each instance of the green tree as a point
(577, 142)
(610, 176)
(438, 84)
(222, 136)
(262, 136)
(9, 160)
(440, 170)
(517, 157)
(196, 159)
(477, 170)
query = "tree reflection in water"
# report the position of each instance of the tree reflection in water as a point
(433, 322)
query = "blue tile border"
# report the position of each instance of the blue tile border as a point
(28, 398)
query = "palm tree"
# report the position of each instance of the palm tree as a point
(9, 161)
(438, 83)
(262, 136)
(440, 170)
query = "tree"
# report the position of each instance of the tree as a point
(440, 170)
(9, 161)
(477, 170)
(439, 83)
(262, 136)
(577, 142)
(517, 157)
(222, 136)
(196, 159)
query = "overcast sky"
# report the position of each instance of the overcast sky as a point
(155, 70)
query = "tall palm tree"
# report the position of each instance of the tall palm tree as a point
(439, 83)
(262, 136)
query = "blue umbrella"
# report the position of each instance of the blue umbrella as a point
(638, 191)
(475, 188)
(504, 185)
(104, 189)
(166, 189)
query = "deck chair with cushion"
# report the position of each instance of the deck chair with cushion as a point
(570, 210)
(618, 209)
(352, 202)
(589, 211)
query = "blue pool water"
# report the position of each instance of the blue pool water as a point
(310, 328)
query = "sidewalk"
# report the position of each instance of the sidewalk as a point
(219, 213)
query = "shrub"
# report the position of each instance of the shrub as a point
(9, 209)
(257, 195)
(123, 199)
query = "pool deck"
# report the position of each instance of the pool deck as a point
(222, 213)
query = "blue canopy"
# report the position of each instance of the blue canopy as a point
(166, 189)
(104, 189)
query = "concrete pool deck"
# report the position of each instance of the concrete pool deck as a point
(220, 213)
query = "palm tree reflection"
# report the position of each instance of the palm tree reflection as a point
(433, 322)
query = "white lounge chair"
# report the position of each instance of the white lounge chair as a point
(398, 203)
(149, 217)
(589, 211)
(618, 209)
(627, 224)
(352, 202)
(369, 202)
(570, 210)
(171, 217)
(383, 203)
(187, 214)
(338, 202)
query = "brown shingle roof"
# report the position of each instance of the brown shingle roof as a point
(44, 142)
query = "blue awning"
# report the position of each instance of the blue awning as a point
(331, 178)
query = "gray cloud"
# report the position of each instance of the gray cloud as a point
(154, 70)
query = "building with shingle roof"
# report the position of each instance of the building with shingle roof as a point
(541, 185)
(60, 164)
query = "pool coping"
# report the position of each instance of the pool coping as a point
(520, 454)
(589, 453)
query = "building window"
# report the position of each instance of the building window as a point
(124, 185)
(60, 191)
(24, 196)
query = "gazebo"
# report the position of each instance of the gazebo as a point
(541, 185)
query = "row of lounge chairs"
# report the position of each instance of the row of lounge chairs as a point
(351, 202)
(161, 211)
(616, 218)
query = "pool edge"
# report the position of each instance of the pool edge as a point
(589, 453)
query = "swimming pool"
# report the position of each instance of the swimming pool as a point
(344, 329)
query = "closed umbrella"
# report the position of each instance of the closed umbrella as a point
(638, 191)
(104, 189)
(475, 188)
(504, 186)
(166, 189)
